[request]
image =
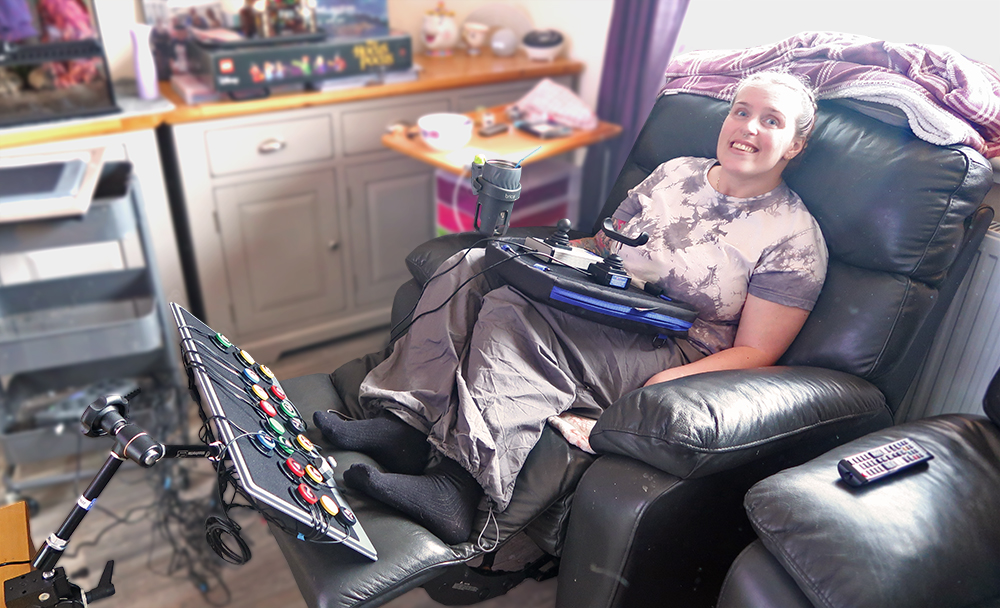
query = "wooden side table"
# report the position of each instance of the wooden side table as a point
(513, 145)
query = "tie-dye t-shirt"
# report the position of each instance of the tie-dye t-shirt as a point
(711, 250)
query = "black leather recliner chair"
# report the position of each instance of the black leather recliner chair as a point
(657, 519)
(926, 537)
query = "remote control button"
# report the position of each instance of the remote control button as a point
(266, 372)
(222, 341)
(298, 425)
(304, 443)
(285, 445)
(275, 426)
(245, 357)
(307, 494)
(287, 409)
(267, 408)
(295, 467)
(278, 393)
(249, 376)
(329, 505)
(258, 392)
(314, 475)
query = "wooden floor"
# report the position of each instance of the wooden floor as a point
(142, 562)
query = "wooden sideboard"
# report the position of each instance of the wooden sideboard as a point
(293, 219)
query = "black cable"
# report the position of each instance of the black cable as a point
(459, 288)
(423, 287)
(17, 563)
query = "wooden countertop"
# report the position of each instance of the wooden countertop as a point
(438, 73)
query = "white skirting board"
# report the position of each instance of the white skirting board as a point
(965, 353)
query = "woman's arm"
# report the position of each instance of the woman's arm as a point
(599, 243)
(765, 331)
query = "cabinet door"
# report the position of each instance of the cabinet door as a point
(391, 207)
(281, 245)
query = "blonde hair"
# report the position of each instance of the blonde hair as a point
(806, 119)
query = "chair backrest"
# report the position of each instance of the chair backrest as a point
(901, 218)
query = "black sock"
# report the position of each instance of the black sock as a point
(394, 444)
(443, 500)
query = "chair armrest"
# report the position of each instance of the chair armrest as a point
(425, 259)
(927, 536)
(706, 423)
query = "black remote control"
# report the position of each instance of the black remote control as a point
(874, 464)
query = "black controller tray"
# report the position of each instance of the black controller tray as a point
(263, 474)
(575, 292)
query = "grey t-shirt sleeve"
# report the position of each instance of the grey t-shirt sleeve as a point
(792, 272)
(632, 205)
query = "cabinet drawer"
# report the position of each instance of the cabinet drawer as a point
(363, 128)
(268, 145)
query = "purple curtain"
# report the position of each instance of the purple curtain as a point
(640, 41)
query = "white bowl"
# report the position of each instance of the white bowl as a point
(542, 53)
(445, 131)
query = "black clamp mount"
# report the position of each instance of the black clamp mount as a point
(46, 585)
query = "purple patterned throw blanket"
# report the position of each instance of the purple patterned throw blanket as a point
(947, 97)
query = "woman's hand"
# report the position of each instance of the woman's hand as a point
(765, 332)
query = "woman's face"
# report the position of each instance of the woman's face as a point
(758, 136)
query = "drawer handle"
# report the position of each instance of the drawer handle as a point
(271, 146)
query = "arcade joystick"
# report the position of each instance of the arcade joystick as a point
(556, 247)
(560, 237)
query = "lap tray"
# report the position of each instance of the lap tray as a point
(572, 291)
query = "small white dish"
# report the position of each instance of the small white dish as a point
(445, 131)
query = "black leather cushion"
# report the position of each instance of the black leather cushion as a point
(425, 259)
(712, 422)
(757, 580)
(929, 536)
(991, 402)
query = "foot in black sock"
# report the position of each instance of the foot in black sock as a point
(443, 500)
(394, 444)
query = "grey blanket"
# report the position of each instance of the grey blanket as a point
(483, 373)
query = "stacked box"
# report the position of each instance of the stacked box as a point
(550, 191)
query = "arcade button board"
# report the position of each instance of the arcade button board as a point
(264, 437)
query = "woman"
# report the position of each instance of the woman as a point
(478, 378)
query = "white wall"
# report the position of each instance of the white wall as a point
(968, 26)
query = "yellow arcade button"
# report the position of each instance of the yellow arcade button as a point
(266, 371)
(314, 473)
(258, 392)
(245, 356)
(329, 505)
(305, 443)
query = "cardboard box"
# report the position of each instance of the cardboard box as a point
(255, 67)
(550, 191)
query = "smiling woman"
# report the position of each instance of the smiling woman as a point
(477, 376)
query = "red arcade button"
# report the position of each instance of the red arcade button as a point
(307, 494)
(277, 392)
(295, 467)
(268, 408)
